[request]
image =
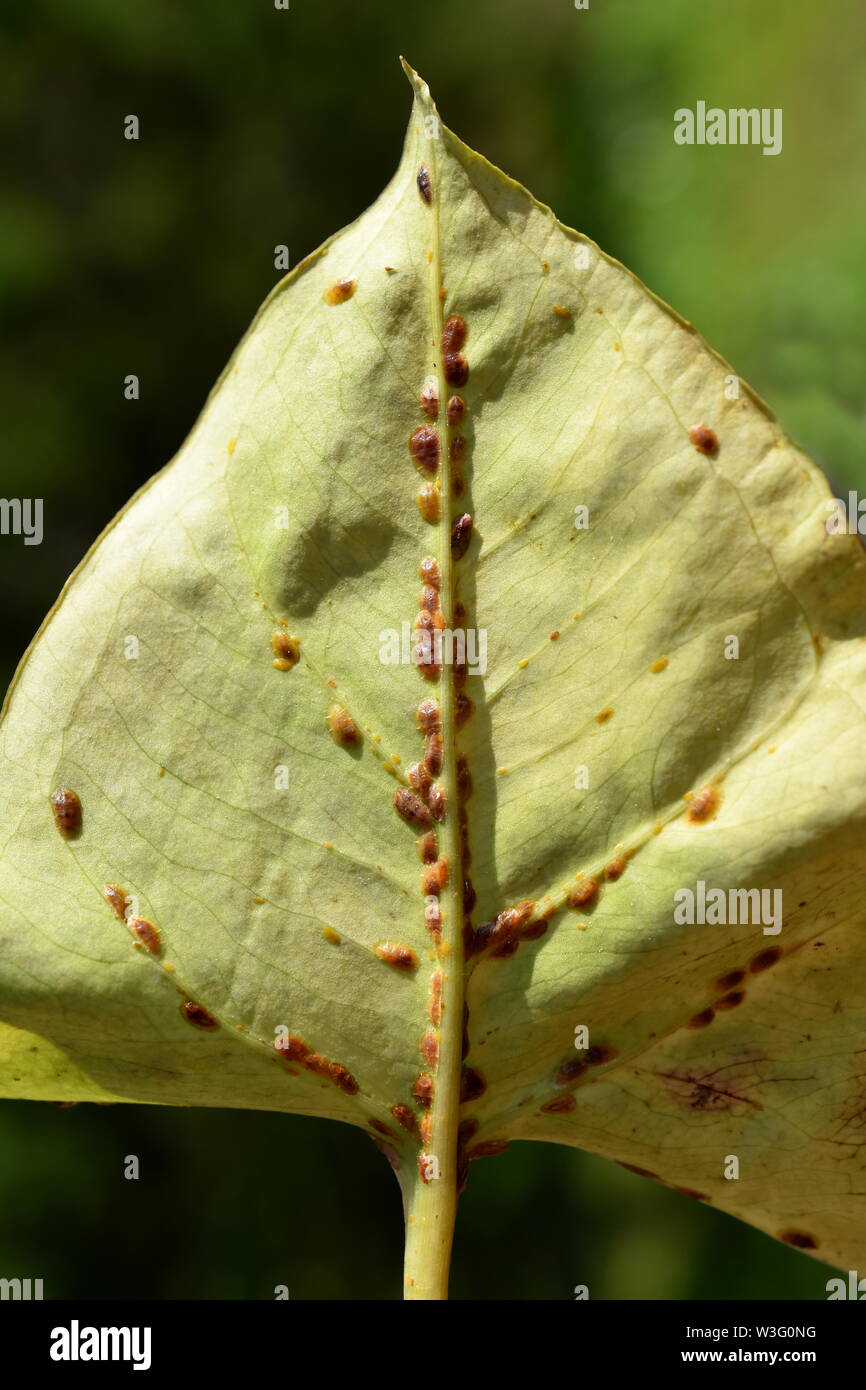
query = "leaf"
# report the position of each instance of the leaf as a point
(695, 653)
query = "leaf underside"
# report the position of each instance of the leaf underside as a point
(618, 736)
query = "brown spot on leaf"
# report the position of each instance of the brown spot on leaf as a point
(66, 806)
(196, 1015)
(340, 292)
(401, 957)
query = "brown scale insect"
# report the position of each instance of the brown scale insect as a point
(196, 1015)
(428, 570)
(464, 779)
(731, 980)
(433, 920)
(411, 808)
(343, 728)
(420, 779)
(429, 399)
(382, 1128)
(472, 1085)
(454, 333)
(615, 869)
(390, 1153)
(569, 1072)
(292, 1048)
(703, 806)
(463, 710)
(424, 447)
(423, 657)
(429, 503)
(423, 1089)
(800, 1239)
(286, 650)
(428, 599)
(340, 292)
(585, 893)
(534, 930)
(428, 717)
(764, 959)
(437, 802)
(456, 368)
(342, 1078)
(433, 754)
(469, 895)
(461, 535)
(401, 957)
(435, 1006)
(434, 879)
(427, 848)
(466, 1130)
(702, 1020)
(66, 805)
(455, 409)
(506, 949)
(116, 899)
(145, 932)
(704, 439)
(730, 1001)
(405, 1118)
(457, 448)
(488, 1148)
(429, 1049)
(559, 1106)
(600, 1053)
(425, 185)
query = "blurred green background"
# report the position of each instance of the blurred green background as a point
(258, 127)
